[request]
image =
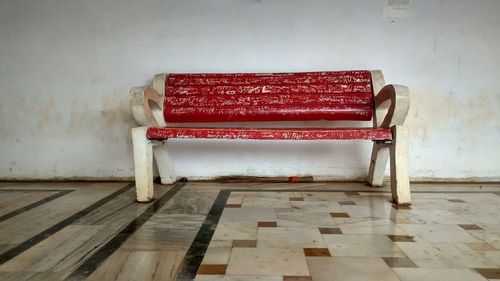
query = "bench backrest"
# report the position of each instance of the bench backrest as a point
(307, 96)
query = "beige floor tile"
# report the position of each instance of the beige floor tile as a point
(266, 202)
(435, 217)
(438, 233)
(234, 230)
(324, 196)
(492, 238)
(289, 237)
(305, 219)
(220, 243)
(444, 255)
(369, 226)
(237, 278)
(438, 274)
(349, 269)
(249, 214)
(282, 195)
(481, 246)
(358, 211)
(478, 198)
(267, 261)
(315, 206)
(479, 214)
(235, 198)
(493, 256)
(217, 255)
(362, 246)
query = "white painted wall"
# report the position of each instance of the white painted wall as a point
(66, 67)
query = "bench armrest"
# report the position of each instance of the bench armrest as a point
(391, 106)
(146, 103)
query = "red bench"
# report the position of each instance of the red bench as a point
(252, 97)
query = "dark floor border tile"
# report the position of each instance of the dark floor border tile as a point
(6, 256)
(34, 205)
(194, 256)
(93, 262)
(33, 190)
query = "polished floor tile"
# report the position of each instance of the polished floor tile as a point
(350, 269)
(443, 255)
(362, 245)
(139, 265)
(305, 219)
(249, 231)
(238, 278)
(438, 233)
(289, 237)
(165, 232)
(438, 274)
(370, 226)
(234, 230)
(267, 261)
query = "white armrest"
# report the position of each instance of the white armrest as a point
(137, 106)
(391, 106)
(146, 103)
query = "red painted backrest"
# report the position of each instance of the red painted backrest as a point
(342, 95)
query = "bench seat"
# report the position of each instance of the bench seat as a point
(162, 133)
(227, 106)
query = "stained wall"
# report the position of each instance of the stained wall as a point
(66, 68)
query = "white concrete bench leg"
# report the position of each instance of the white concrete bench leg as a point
(164, 163)
(380, 156)
(143, 164)
(400, 181)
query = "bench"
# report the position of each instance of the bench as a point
(254, 97)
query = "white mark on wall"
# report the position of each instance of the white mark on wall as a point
(397, 9)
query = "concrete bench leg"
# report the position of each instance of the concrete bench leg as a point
(400, 181)
(164, 163)
(380, 156)
(143, 164)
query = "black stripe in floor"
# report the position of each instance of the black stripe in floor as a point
(32, 190)
(194, 255)
(34, 205)
(55, 228)
(91, 264)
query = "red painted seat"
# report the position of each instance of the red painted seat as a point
(195, 98)
(269, 133)
(307, 96)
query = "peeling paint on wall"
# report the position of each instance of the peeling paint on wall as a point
(397, 9)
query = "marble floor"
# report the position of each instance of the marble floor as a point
(248, 231)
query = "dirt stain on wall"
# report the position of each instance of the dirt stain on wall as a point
(46, 113)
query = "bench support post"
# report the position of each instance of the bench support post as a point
(143, 164)
(400, 181)
(164, 163)
(380, 156)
